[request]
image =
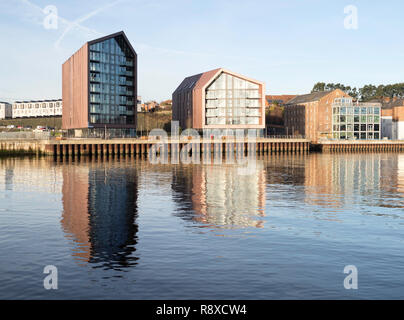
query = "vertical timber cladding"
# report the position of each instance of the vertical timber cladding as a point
(75, 90)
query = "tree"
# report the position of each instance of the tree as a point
(318, 87)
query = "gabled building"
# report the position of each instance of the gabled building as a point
(332, 115)
(100, 88)
(219, 99)
(310, 115)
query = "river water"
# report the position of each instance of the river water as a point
(124, 228)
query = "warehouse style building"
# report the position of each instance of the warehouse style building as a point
(37, 108)
(100, 88)
(219, 99)
(6, 111)
(332, 115)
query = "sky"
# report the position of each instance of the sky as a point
(290, 45)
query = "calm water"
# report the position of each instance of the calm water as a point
(125, 228)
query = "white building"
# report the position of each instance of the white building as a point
(33, 109)
(5, 110)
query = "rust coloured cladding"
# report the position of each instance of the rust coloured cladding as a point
(75, 90)
(398, 113)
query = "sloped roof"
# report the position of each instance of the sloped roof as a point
(113, 35)
(198, 81)
(315, 96)
(393, 103)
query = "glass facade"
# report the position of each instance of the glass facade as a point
(112, 76)
(234, 101)
(355, 121)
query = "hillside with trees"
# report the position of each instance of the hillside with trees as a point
(367, 92)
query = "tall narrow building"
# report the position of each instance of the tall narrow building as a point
(100, 89)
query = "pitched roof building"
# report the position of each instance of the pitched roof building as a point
(219, 99)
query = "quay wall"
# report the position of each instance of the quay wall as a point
(83, 147)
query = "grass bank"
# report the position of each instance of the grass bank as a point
(34, 122)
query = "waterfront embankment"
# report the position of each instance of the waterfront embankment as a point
(85, 147)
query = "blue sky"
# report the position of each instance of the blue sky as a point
(289, 45)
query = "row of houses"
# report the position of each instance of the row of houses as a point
(31, 109)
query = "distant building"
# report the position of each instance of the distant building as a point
(278, 99)
(150, 106)
(100, 88)
(398, 120)
(6, 110)
(37, 108)
(311, 115)
(139, 104)
(166, 105)
(393, 122)
(387, 123)
(219, 99)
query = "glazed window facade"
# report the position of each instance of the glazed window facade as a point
(112, 95)
(232, 101)
(356, 121)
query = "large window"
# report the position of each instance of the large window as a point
(355, 122)
(111, 82)
(231, 100)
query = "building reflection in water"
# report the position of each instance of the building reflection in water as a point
(218, 196)
(29, 175)
(334, 179)
(400, 174)
(100, 211)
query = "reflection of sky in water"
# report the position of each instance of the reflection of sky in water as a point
(128, 229)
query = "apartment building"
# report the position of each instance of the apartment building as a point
(100, 88)
(219, 99)
(359, 121)
(37, 108)
(6, 110)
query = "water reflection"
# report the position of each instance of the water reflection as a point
(333, 180)
(100, 212)
(219, 196)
